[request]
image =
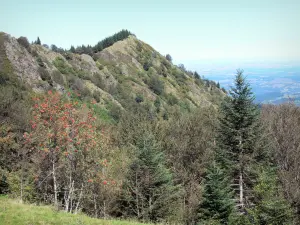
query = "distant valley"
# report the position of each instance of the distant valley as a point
(271, 82)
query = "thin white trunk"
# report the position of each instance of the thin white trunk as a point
(241, 190)
(104, 210)
(68, 194)
(54, 184)
(78, 203)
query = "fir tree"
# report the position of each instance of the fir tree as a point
(72, 49)
(196, 75)
(271, 207)
(217, 196)
(38, 41)
(238, 136)
(150, 192)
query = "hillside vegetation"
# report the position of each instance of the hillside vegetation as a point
(117, 131)
(124, 72)
(14, 213)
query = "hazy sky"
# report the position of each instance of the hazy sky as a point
(188, 30)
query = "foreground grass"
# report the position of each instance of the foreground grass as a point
(14, 213)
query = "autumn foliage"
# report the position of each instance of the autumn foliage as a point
(66, 144)
(61, 127)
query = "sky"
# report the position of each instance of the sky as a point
(189, 30)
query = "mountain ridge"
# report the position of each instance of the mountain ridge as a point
(128, 68)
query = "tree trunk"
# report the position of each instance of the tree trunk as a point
(68, 194)
(95, 207)
(137, 196)
(54, 184)
(242, 205)
(78, 203)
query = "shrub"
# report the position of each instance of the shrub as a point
(24, 42)
(139, 98)
(156, 85)
(61, 65)
(139, 47)
(97, 95)
(40, 62)
(147, 65)
(166, 64)
(45, 75)
(115, 112)
(169, 58)
(77, 85)
(85, 92)
(157, 104)
(98, 81)
(58, 78)
(171, 99)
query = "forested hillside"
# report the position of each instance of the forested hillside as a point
(118, 131)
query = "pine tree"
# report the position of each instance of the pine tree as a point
(271, 207)
(150, 194)
(238, 137)
(38, 41)
(217, 196)
(72, 49)
(196, 75)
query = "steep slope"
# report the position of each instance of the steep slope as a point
(128, 71)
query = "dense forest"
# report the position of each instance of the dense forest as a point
(230, 162)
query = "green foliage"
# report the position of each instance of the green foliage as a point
(156, 85)
(7, 75)
(40, 62)
(139, 98)
(157, 104)
(150, 193)
(115, 112)
(147, 65)
(98, 81)
(72, 49)
(171, 99)
(58, 78)
(62, 66)
(109, 41)
(14, 213)
(45, 75)
(38, 41)
(97, 95)
(179, 76)
(197, 76)
(238, 125)
(240, 146)
(217, 195)
(169, 57)
(271, 207)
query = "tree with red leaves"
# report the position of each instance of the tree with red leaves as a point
(63, 133)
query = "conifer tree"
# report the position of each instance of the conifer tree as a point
(238, 137)
(38, 41)
(150, 193)
(271, 207)
(72, 49)
(217, 196)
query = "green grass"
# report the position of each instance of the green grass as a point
(14, 213)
